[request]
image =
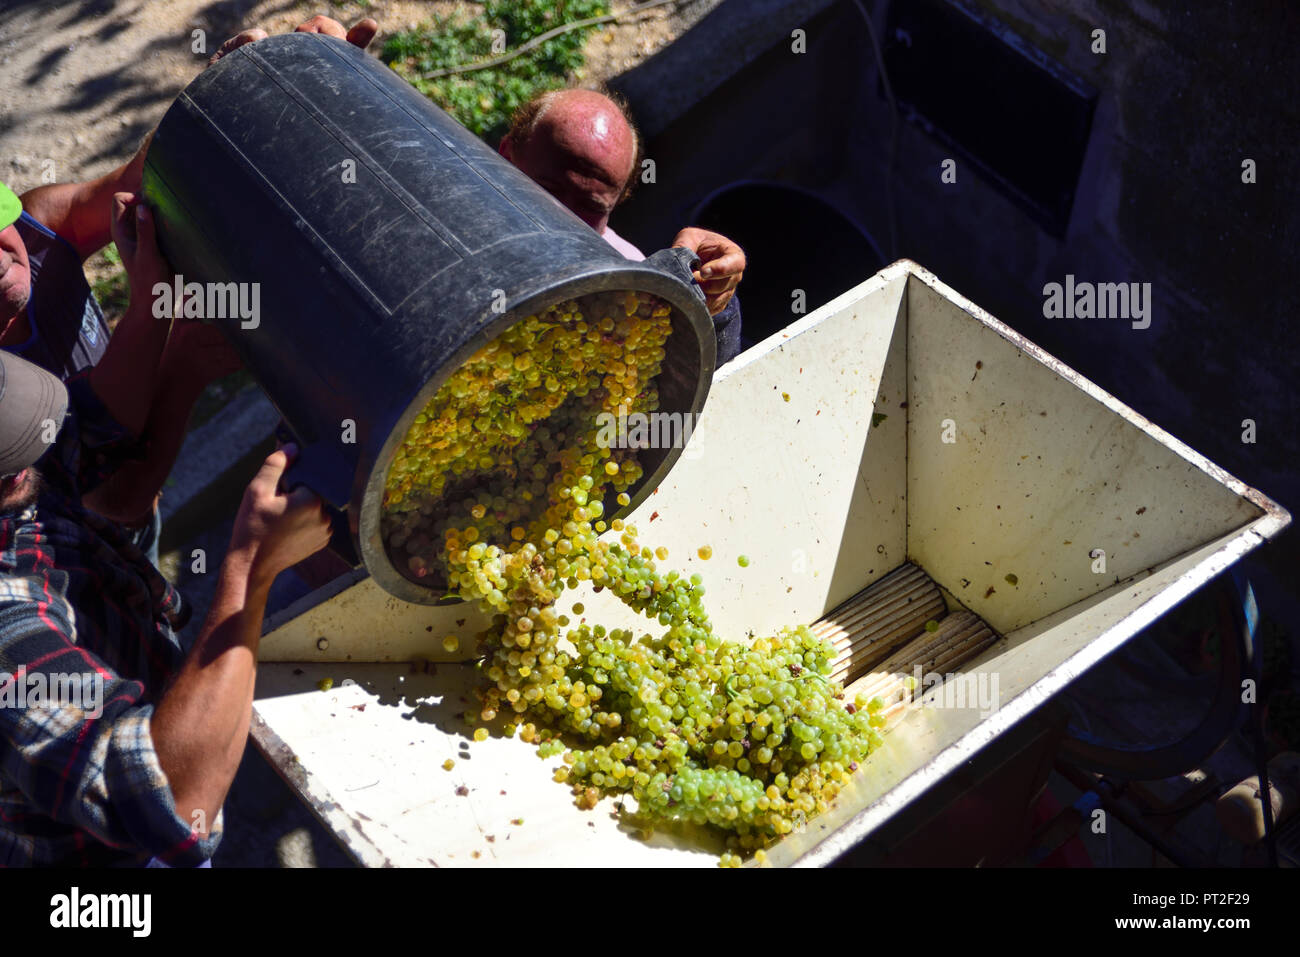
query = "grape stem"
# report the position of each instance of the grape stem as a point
(730, 691)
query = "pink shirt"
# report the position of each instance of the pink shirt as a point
(621, 244)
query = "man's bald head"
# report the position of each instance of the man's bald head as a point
(578, 145)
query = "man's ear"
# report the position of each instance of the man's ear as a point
(506, 148)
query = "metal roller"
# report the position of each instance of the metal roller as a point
(865, 628)
(960, 637)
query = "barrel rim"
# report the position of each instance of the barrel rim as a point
(366, 510)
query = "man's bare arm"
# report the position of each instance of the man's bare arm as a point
(80, 212)
(200, 727)
(128, 495)
(126, 377)
(196, 355)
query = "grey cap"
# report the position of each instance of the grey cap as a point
(32, 406)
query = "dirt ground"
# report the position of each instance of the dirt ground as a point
(83, 81)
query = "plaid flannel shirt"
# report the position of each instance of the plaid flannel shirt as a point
(80, 781)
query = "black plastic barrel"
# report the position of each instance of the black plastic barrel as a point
(388, 244)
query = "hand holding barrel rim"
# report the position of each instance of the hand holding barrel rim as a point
(132, 229)
(275, 529)
(359, 36)
(722, 263)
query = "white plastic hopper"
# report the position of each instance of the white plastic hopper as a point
(899, 422)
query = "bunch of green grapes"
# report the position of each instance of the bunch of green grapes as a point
(500, 490)
(754, 739)
(517, 422)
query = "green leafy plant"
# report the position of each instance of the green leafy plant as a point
(484, 100)
(111, 290)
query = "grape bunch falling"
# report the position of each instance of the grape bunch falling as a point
(499, 492)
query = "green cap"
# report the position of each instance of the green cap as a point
(11, 207)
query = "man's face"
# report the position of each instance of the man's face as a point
(584, 191)
(582, 154)
(15, 275)
(20, 490)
